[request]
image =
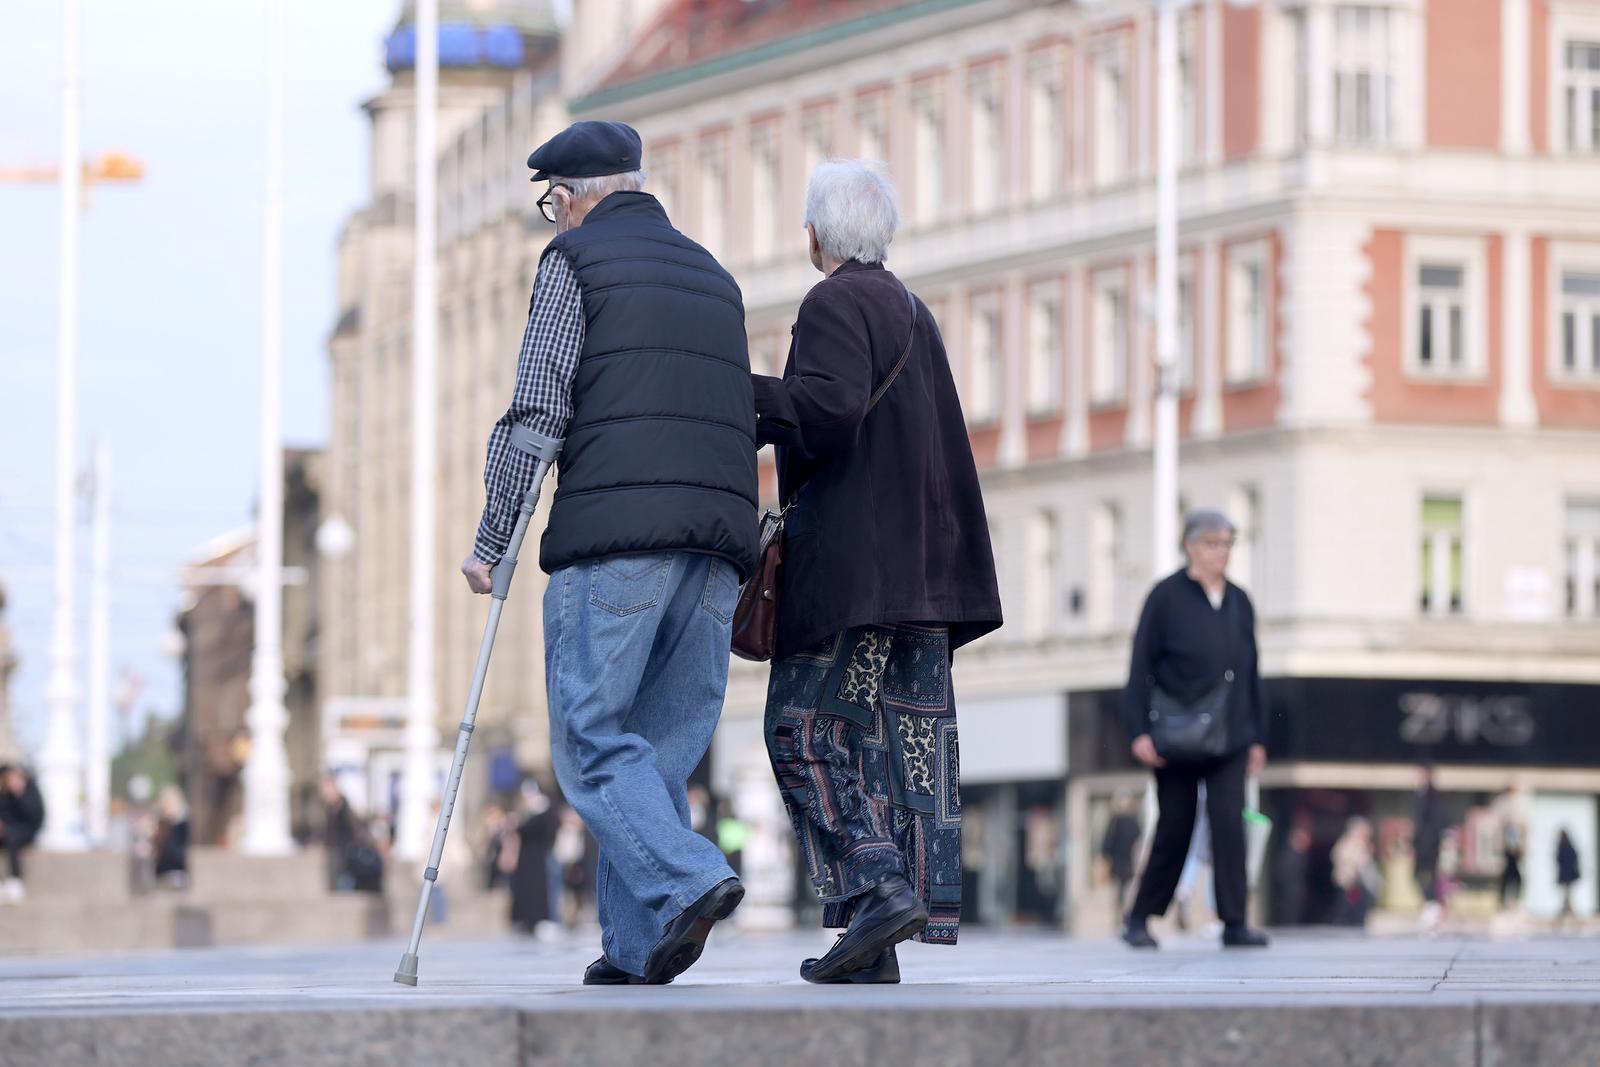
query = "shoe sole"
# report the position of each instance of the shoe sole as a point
(693, 943)
(908, 925)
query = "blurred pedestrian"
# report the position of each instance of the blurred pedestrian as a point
(1290, 872)
(530, 880)
(1512, 811)
(1428, 825)
(887, 570)
(1567, 872)
(578, 853)
(171, 842)
(1119, 846)
(494, 827)
(1196, 712)
(1355, 872)
(354, 862)
(21, 817)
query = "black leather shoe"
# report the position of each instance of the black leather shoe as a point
(1135, 934)
(603, 972)
(685, 938)
(888, 914)
(885, 970)
(1244, 937)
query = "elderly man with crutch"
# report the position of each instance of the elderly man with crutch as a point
(634, 366)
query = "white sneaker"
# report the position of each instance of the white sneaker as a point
(13, 892)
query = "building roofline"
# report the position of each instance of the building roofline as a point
(729, 62)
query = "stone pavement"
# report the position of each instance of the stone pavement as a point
(997, 999)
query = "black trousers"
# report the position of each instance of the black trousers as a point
(16, 838)
(1178, 796)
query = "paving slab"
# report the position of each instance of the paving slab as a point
(996, 999)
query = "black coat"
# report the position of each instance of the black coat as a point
(22, 813)
(889, 524)
(1186, 646)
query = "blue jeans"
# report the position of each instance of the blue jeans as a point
(636, 660)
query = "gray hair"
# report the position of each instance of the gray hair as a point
(1206, 521)
(598, 189)
(852, 206)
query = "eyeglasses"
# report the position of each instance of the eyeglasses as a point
(1219, 543)
(548, 209)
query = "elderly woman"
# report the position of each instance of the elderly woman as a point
(1197, 713)
(887, 571)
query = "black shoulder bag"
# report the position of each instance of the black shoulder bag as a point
(1197, 731)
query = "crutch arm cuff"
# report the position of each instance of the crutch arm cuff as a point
(535, 444)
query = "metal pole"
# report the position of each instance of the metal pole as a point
(266, 772)
(1164, 523)
(98, 749)
(421, 735)
(60, 761)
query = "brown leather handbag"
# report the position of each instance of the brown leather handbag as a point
(755, 618)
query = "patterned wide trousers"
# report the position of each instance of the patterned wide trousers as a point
(862, 735)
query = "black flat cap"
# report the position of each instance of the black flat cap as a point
(588, 149)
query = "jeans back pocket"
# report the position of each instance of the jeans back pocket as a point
(626, 585)
(721, 595)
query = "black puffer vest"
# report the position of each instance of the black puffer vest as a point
(660, 455)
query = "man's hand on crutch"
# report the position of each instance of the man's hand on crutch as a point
(480, 575)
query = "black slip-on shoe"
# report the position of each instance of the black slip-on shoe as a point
(885, 970)
(1244, 937)
(1135, 934)
(889, 914)
(603, 972)
(685, 938)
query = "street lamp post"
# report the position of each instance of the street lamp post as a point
(421, 734)
(266, 770)
(61, 761)
(1164, 523)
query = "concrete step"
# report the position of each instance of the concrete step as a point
(221, 874)
(53, 925)
(102, 876)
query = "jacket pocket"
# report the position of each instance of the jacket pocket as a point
(626, 585)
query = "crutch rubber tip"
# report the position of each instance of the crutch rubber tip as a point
(407, 974)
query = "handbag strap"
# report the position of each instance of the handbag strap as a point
(904, 356)
(877, 394)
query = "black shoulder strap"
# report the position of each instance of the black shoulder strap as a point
(904, 356)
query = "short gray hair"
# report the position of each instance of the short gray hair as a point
(1206, 521)
(852, 206)
(598, 189)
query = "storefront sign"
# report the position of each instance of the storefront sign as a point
(1379, 720)
(1368, 720)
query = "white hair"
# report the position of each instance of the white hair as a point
(852, 206)
(598, 189)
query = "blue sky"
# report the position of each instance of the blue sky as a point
(171, 288)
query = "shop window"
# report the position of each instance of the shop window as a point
(1583, 559)
(1443, 553)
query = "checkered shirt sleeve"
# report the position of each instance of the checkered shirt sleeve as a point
(542, 401)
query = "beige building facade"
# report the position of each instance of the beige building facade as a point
(1390, 359)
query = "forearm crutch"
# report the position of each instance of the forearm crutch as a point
(544, 450)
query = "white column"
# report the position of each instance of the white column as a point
(1014, 326)
(61, 762)
(1164, 520)
(1319, 74)
(266, 772)
(1207, 347)
(421, 734)
(1515, 79)
(1517, 406)
(1075, 427)
(97, 778)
